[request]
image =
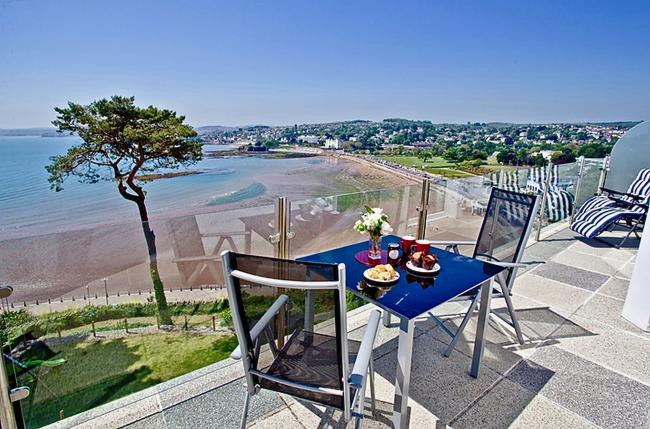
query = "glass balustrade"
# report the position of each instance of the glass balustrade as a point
(81, 328)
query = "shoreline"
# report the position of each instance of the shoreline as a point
(339, 174)
(63, 261)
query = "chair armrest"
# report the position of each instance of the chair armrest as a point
(629, 203)
(611, 191)
(365, 351)
(262, 323)
(622, 202)
(452, 243)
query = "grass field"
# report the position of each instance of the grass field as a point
(439, 165)
(435, 165)
(414, 161)
(97, 372)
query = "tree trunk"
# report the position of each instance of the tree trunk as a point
(158, 289)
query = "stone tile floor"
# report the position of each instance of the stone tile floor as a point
(582, 365)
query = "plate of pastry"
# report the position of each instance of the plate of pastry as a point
(381, 275)
(423, 265)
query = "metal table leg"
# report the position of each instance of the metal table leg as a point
(386, 318)
(403, 373)
(479, 342)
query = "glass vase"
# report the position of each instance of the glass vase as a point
(374, 247)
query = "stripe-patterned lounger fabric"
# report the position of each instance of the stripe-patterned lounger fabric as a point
(599, 212)
(594, 222)
(559, 203)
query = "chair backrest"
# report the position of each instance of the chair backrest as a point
(187, 243)
(509, 218)
(311, 295)
(641, 185)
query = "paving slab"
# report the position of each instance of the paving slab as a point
(602, 396)
(608, 310)
(626, 271)
(550, 292)
(219, 407)
(615, 287)
(539, 321)
(498, 408)
(589, 248)
(571, 275)
(596, 264)
(541, 413)
(614, 349)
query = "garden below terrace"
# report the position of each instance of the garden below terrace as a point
(78, 359)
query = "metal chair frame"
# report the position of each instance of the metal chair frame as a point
(353, 382)
(505, 279)
(632, 225)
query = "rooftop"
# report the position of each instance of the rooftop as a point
(582, 365)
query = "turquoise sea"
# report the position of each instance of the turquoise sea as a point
(26, 201)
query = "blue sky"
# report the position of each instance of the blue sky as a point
(285, 62)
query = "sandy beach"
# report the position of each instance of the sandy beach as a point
(75, 262)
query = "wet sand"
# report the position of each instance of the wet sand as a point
(76, 262)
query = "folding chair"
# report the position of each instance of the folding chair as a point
(317, 363)
(502, 239)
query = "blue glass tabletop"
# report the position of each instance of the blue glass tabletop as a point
(411, 296)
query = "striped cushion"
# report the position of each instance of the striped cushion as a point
(641, 185)
(538, 175)
(559, 204)
(593, 222)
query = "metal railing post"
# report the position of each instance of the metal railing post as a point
(282, 227)
(603, 174)
(423, 209)
(542, 208)
(581, 172)
(7, 394)
(7, 417)
(282, 251)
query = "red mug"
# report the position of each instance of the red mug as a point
(422, 246)
(408, 242)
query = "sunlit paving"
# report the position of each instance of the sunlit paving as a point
(412, 215)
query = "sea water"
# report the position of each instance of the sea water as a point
(27, 202)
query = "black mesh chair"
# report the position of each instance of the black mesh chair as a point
(508, 221)
(312, 359)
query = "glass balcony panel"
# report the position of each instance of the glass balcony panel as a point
(77, 353)
(326, 222)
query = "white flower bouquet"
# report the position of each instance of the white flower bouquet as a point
(374, 222)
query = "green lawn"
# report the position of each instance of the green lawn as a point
(435, 165)
(97, 372)
(498, 167)
(410, 161)
(439, 165)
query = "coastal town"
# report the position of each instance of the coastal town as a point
(505, 143)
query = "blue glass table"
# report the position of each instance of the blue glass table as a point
(414, 296)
